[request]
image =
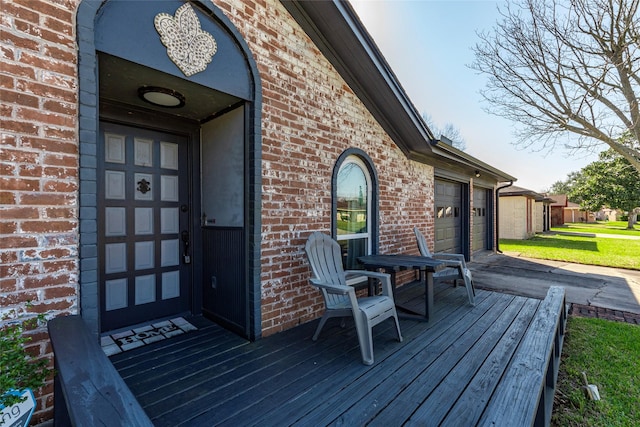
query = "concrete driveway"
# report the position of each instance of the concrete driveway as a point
(611, 288)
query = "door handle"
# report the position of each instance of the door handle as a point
(185, 253)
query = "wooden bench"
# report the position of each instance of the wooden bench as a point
(88, 391)
(525, 394)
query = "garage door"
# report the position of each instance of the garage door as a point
(479, 219)
(448, 202)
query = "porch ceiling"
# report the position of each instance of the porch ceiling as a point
(120, 80)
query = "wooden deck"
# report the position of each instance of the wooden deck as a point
(460, 369)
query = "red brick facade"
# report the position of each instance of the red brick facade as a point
(38, 166)
(309, 117)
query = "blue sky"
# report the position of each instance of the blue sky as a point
(428, 45)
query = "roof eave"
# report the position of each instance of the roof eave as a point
(336, 30)
(450, 152)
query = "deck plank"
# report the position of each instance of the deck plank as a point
(212, 362)
(176, 354)
(281, 411)
(340, 400)
(201, 389)
(528, 369)
(256, 378)
(443, 355)
(471, 403)
(384, 340)
(446, 394)
(444, 371)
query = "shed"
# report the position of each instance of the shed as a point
(557, 209)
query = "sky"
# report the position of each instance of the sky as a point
(428, 44)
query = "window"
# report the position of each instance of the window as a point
(353, 210)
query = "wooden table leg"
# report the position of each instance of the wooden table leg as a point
(428, 294)
(392, 273)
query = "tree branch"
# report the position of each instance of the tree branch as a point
(566, 67)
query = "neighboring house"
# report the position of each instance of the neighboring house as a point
(522, 213)
(563, 211)
(557, 209)
(607, 214)
(573, 213)
(543, 214)
(141, 182)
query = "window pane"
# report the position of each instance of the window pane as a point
(351, 250)
(352, 200)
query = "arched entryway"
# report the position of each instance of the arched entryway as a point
(170, 154)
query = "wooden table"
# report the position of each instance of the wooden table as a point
(393, 263)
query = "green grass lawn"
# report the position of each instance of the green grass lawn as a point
(608, 352)
(608, 227)
(604, 251)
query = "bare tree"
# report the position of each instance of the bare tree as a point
(567, 71)
(449, 131)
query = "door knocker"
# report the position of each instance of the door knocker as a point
(143, 186)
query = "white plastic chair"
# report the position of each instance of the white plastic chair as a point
(456, 266)
(340, 300)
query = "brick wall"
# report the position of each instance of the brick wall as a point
(38, 166)
(310, 116)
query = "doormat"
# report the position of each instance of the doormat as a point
(128, 340)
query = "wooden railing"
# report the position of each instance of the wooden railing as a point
(525, 395)
(88, 391)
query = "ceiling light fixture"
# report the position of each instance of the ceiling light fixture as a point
(477, 174)
(161, 96)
